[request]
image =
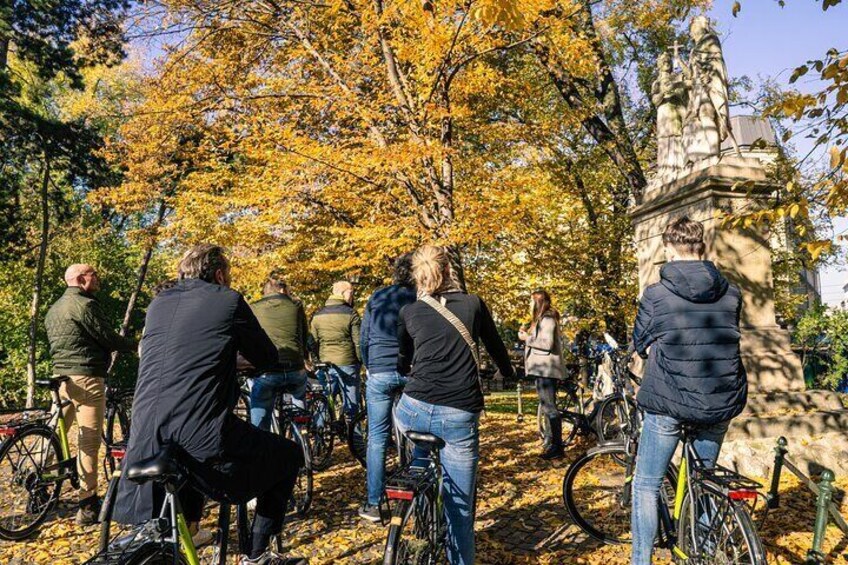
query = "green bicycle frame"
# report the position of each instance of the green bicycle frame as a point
(62, 430)
(185, 541)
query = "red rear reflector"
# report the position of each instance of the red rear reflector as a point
(742, 495)
(394, 494)
(117, 453)
(5, 431)
(301, 419)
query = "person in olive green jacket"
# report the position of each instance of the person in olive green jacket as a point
(81, 345)
(335, 329)
(284, 320)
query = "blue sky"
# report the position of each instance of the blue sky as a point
(765, 40)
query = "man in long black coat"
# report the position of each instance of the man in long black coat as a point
(185, 394)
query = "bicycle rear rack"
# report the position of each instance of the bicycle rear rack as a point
(406, 483)
(738, 487)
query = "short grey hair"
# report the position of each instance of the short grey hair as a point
(202, 262)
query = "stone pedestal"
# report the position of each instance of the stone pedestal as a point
(777, 404)
(715, 186)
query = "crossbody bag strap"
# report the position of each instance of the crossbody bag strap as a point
(456, 323)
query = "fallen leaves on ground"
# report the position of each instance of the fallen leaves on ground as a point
(520, 516)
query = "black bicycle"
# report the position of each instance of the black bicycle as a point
(417, 530)
(116, 432)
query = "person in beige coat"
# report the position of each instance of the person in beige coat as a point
(543, 360)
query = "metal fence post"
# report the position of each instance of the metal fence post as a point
(519, 388)
(815, 555)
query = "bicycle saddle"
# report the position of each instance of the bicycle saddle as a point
(52, 382)
(162, 467)
(429, 439)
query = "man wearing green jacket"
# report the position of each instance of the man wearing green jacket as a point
(335, 328)
(81, 346)
(284, 320)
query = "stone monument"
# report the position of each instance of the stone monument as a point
(704, 171)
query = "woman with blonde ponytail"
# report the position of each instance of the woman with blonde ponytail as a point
(438, 336)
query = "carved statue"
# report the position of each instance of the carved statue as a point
(707, 121)
(669, 96)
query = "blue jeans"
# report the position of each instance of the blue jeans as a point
(265, 388)
(660, 436)
(380, 390)
(460, 431)
(343, 379)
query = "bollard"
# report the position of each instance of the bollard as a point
(518, 387)
(815, 555)
(773, 497)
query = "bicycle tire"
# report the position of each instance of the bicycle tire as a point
(357, 437)
(610, 415)
(303, 488)
(38, 502)
(115, 415)
(606, 519)
(106, 511)
(415, 519)
(566, 405)
(747, 549)
(321, 433)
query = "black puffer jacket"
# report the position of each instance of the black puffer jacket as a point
(690, 320)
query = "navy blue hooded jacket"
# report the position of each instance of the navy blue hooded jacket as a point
(378, 338)
(690, 321)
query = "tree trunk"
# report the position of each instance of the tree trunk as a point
(38, 284)
(4, 53)
(140, 279)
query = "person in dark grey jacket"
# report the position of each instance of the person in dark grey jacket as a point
(184, 397)
(687, 328)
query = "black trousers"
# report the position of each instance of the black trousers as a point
(255, 464)
(546, 389)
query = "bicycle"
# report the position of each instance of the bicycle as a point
(417, 531)
(604, 413)
(704, 515)
(35, 461)
(116, 433)
(164, 540)
(294, 423)
(337, 421)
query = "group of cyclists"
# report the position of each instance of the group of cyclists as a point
(418, 342)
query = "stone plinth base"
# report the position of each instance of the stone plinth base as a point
(814, 422)
(704, 192)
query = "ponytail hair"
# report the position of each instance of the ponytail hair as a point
(431, 270)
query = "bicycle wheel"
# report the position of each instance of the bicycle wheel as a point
(597, 494)
(115, 435)
(716, 530)
(570, 410)
(29, 487)
(321, 437)
(302, 494)
(613, 420)
(357, 437)
(410, 537)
